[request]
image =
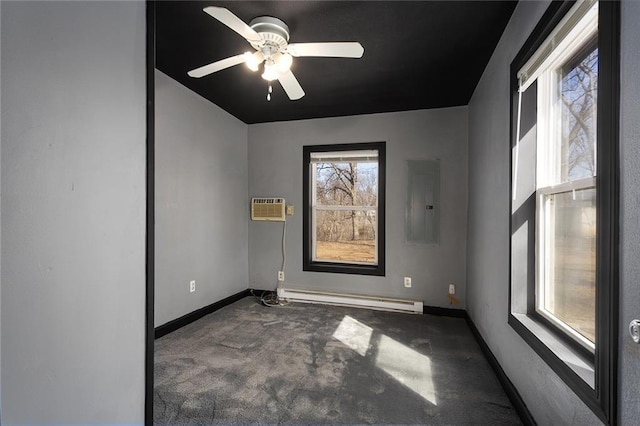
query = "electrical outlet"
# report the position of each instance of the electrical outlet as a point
(192, 286)
(452, 289)
(407, 282)
(290, 210)
(280, 275)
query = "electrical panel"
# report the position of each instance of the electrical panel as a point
(422, 213)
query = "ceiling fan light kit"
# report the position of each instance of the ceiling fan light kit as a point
(269, 36)
(275, 65)
(253, 60)
(270, 71)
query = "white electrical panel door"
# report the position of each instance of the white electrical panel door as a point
(422, 213)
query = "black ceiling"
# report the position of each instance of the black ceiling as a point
(422, 54)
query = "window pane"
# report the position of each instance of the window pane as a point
(347, 184)
(578, 88)
(570, 292)
(347, 236)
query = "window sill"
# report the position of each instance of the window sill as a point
(553, 350)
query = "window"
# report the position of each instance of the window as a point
(567, 90)
(344, 208)
(563, 291)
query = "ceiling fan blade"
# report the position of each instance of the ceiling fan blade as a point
(216, 66)
(291, 86)
(346, 49)
(232, 21)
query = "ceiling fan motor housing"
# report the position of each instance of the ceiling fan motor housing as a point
(274, 32)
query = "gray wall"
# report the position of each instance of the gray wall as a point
(0, 215)
(275, 169)
(201, 202)
(73, 212)
(548, 398)
(629, 203)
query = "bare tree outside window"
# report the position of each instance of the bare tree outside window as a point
(578, 94)
(346, 200)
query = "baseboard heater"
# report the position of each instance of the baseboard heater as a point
(355, 300)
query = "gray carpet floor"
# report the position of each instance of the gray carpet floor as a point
(315, 364)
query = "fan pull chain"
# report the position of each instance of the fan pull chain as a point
(269, 92)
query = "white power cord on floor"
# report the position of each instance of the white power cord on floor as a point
(284, 265)
(270, 298)
(284, 251)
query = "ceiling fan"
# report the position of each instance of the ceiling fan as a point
(270, 38)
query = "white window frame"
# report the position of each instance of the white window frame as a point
(543, 257)
(358, 156)
(543, 66)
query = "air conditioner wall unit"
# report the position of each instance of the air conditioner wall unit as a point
(268, 208)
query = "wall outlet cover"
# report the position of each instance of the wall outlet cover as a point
(192, 286)
(407, 282)
(280, 275)
(452, 289)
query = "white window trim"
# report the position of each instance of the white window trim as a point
(548, 130)
(340, 156)
(579, 26)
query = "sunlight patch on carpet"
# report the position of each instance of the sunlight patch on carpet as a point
(407, 366)
(354, 334)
